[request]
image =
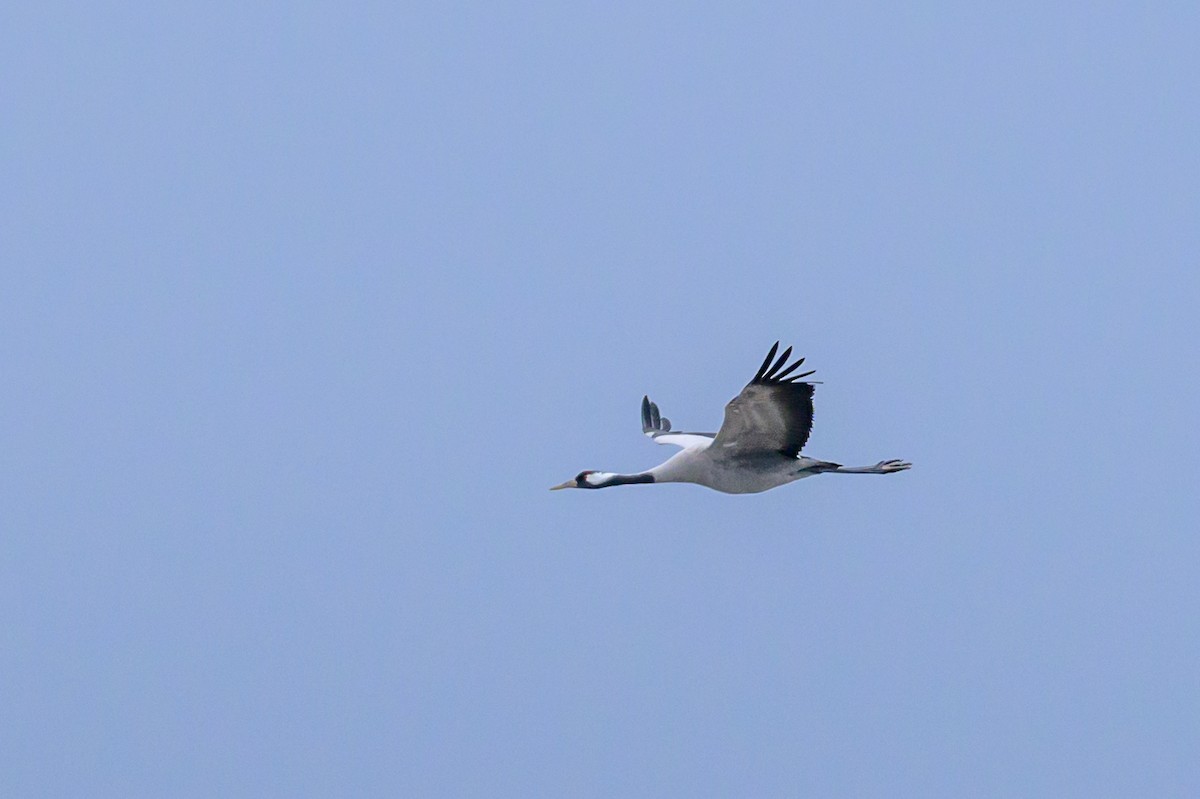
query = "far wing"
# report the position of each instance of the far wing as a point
(658, 427)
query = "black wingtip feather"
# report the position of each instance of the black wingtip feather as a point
(652, 420)
(769, 373)
(789, 370)
(767, 361)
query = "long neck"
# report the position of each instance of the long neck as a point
(606, 479)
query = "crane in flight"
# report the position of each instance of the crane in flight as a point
(756, 449)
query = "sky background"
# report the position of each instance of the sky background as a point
(305, 306)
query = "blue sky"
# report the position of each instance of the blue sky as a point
(306, 307)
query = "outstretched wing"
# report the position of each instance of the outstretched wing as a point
(658, 427)
(772, 414)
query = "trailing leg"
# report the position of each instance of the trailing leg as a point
(883, 467)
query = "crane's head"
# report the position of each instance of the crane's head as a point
(585, 479)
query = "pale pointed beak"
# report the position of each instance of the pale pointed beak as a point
(560, 486)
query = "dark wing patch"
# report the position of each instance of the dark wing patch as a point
(773, 413)
(652, 421)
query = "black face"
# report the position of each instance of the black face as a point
(581, 481)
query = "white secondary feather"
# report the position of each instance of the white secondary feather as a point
(685, 440)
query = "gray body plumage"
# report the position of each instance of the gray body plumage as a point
(746, 474)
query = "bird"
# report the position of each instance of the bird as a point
(757, 448)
